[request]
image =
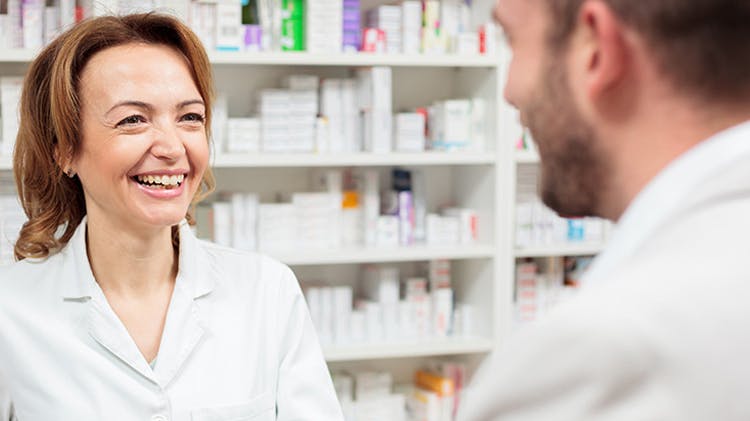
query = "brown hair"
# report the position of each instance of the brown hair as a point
(702, 46)
(49, 130)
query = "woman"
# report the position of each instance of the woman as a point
(115, 310)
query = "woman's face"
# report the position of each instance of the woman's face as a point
(143, 149)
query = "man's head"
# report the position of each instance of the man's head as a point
(595, 79)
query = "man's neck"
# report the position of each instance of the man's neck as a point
(662, 135)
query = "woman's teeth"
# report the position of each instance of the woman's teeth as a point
(160, 181)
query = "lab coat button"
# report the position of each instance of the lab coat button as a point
(159, 418)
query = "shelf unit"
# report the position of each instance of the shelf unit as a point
(483, 273)
(573, 249)
(360, 255)
(427, 348)
(23, 56)
(222, 58)
(353, 59)
(268, 160)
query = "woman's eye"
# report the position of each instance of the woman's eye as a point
(131, 120)
(193, 117)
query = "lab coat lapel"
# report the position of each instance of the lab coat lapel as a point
(184, 330)
(182, 333)
(103, 324)
(107, 329)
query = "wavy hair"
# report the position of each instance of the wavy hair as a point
(49, 134)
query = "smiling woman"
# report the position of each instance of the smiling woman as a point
(141, 115)
(66, 82)
(114, 302)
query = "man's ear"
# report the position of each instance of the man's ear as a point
(604, 55)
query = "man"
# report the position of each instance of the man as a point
(641, 114)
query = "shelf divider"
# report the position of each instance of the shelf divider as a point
(426, 348)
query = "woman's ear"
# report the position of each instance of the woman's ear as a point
(64, 162)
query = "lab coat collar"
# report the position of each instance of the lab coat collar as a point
(81, 283)
(183, 329)
(194, 267)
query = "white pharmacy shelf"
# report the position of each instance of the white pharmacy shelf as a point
(572, 249)
(527, 157)
(267, 160)
(353, 59)
(16, 55)
(313, 59)
(426, 348)
(376, 255)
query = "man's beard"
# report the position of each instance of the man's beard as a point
(573, 170)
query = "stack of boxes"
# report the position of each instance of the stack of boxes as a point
(457, 125)
(293, 25)
(303, 110)
(231, 222)
(544, 284)
(388, 19)
(372, 396)
(339, 107)
(349, 210)
(410, 131)
(275, 120)
(229, 35)
(367, 396)
(288, 116)
(276, 226)
(432, 38)
(411, 26)
(243, 135)
(383, 314)
(324, 26)
(203, 21)
(32, 14)
(331, 107)
(376, 106)
(351, 26)
(316, 214)
(320, 26)
(12, 25)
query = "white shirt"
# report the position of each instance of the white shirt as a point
(238, 344)
(661, 330)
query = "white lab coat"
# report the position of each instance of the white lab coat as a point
(663, 330)
(238, 344)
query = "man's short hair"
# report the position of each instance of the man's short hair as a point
(702, 46)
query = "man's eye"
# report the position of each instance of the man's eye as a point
(193, 117)
(131, 120)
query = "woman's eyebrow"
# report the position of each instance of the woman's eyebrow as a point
(184, 104)
(132, 103)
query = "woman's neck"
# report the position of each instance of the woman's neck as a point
(130, 263)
